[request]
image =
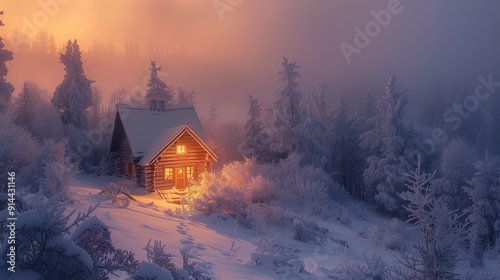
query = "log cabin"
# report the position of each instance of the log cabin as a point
(162, 148)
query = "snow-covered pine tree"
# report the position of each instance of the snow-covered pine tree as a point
(286, 111)
(17, 147)
(256, 144)
(316, 104)
(456, 168)
(439, 228)
(6, 88)
(24, 106)
(360, 124)
(33, 101)
(314, 135)
(390, 143)
(73, 96)
(483, 191)
(158, 94)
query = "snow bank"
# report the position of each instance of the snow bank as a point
(71, 249)
(149, 270)
(88, 223)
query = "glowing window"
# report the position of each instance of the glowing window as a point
(181, 149)
(190, 172)
(169, 173)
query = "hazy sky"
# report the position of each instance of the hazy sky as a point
(240, 52)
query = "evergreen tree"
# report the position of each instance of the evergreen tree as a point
(158, 93)
(31, 102)
(359, 125)
(439, 228)
(23, 114)
(456, 168)
(391, 144)
(73, 96)
(6, 88)
(285, 110)
(483, 191)
(313, 131)
(316, 104)
(256, 139)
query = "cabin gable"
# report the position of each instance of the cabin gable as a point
(181, 162)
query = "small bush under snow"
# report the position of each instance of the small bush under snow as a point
(252, 192)
(390, 236)
(119, 195)
(271, 254)
(373, 267)
(151, 271)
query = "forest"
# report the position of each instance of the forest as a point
(304, 149)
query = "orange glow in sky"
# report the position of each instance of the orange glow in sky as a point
(238, 52)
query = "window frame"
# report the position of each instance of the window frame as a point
(181, 149)
(190, 173)
(168, 171)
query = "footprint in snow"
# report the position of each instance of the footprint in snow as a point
(187, 242)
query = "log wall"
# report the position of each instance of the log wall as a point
(195, 156)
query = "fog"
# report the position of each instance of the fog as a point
(229, 50)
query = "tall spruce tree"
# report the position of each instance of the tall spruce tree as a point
(360, 124)
(286, 110)
(483, 191)
(158, 94)
(6, 88)
(313, 131)
(256, 139)
(392, 146)
(73, 96)
(25, 105)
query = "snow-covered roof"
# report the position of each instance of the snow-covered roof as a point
(148, 132)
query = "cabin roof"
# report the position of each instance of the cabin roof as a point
(149, 132)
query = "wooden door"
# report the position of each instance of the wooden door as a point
(180, 178)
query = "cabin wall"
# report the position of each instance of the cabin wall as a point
(120, 147)
(146, 177)
(124, 155)
(196, 156)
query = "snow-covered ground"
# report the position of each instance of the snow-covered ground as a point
(209, 239)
